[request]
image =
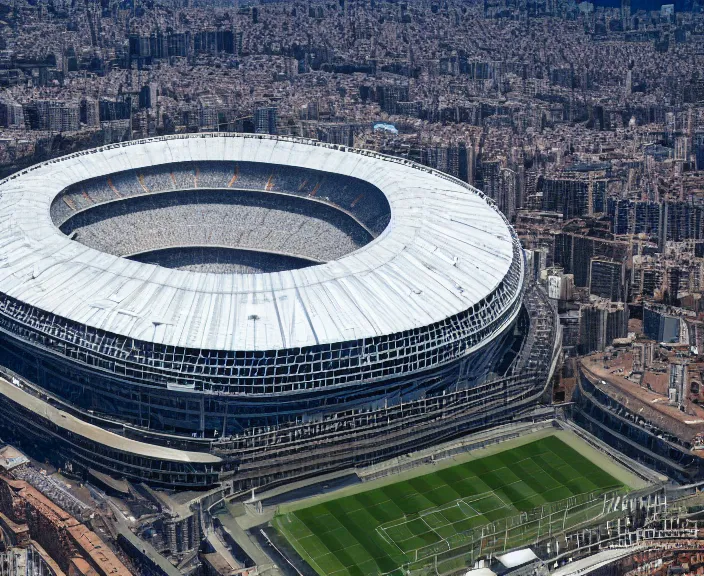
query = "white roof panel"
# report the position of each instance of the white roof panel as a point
(517, 558)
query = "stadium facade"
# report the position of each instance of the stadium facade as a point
(216, 307)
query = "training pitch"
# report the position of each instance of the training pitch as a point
(501, 501)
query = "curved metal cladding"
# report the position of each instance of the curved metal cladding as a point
(424, 308)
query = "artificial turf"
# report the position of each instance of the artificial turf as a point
(378, 531)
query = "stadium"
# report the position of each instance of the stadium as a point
(191, 310)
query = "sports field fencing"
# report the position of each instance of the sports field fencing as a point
(461, 548)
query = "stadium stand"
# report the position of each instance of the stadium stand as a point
(216, 260)
(361, 200)
(272, 223)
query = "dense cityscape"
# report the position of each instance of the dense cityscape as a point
(484, 225)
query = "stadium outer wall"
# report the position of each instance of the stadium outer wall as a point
(284, 453)
(50, 396)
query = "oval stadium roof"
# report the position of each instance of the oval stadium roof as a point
(445, 249)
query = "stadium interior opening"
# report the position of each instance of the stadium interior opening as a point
(223, 217)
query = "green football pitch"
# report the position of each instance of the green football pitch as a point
(527, 488)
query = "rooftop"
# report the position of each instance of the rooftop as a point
(446, 248)
(11, 458)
